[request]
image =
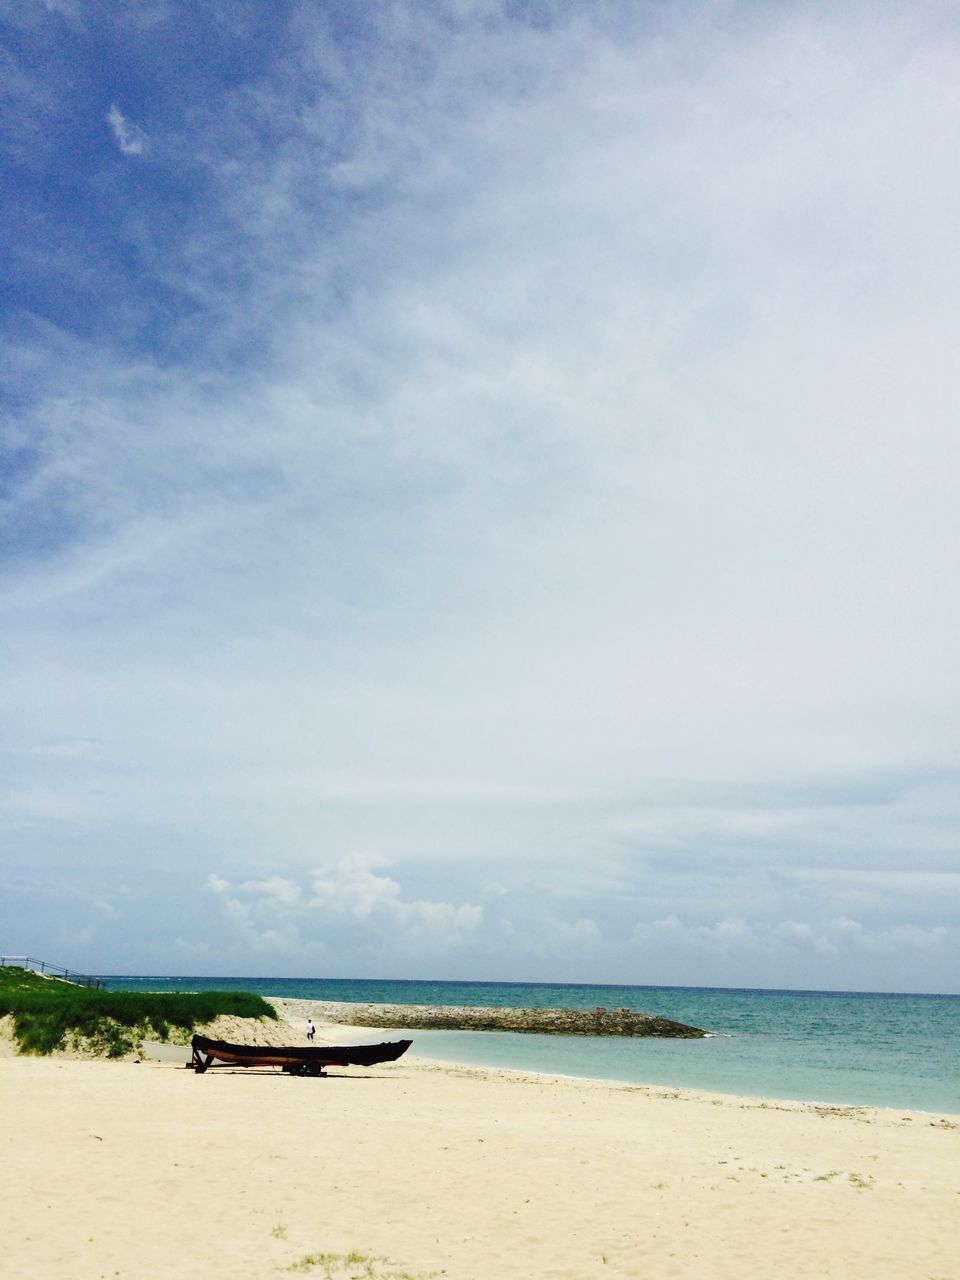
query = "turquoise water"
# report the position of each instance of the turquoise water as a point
(841, 1048)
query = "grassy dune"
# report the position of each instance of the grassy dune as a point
(50, 1014)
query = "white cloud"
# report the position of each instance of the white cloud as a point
(273, 889)
(129, 137)
(351, 886)
(578, 932)
(346, 896)
(71, 9)
(245, 926)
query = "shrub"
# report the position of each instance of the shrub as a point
(48, 1011)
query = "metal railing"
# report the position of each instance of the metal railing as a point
(54, 970)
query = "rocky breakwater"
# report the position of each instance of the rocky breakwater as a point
(558, 1022)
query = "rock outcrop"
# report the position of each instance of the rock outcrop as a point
(560, 1022)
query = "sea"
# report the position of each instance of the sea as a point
(835, 1048)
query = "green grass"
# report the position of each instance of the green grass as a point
(47, 1013)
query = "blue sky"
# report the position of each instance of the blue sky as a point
(479, 491)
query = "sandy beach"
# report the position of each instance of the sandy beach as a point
(416, 1170)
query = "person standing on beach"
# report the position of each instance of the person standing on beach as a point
(310, 1029)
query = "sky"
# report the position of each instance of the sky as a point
(480, 490)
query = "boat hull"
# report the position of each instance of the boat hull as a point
(297, 1059)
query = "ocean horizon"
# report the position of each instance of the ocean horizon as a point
(836, 1048)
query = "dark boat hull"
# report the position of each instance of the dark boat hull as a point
(298, 1059)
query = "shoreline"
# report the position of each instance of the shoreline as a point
(291, 1008)
(844, 1048)
(693, 1091)
(762, 1102)
(289, 1028)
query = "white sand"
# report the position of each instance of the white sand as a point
(147, 1170)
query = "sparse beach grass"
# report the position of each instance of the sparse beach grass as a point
(354, 1266)
(49, 1014)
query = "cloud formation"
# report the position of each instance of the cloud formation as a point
(130, 138)
(346, 900)
(520, 446)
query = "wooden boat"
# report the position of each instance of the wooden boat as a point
(308, 1060)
